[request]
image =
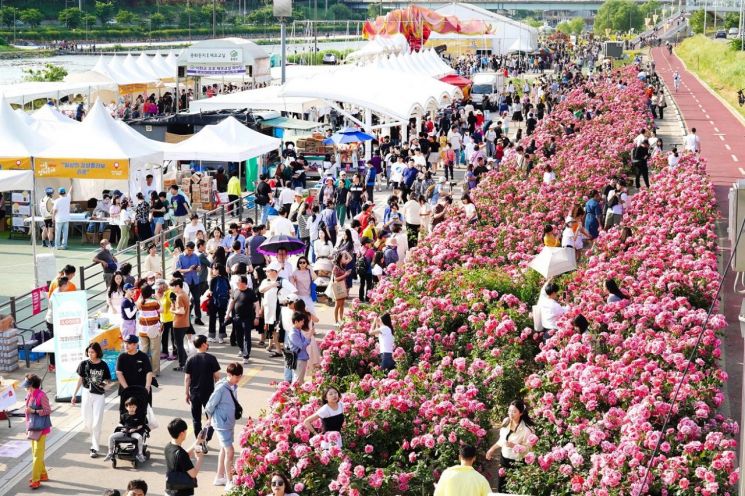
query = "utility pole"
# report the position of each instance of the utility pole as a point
(706, 4)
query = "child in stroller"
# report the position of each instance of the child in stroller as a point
(129, 440)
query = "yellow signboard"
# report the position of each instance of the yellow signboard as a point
(82, 168)
(15, 163)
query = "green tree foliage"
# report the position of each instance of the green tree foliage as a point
(206, 14)
(573, 26)
(104, 11)
(339, 11)
(31, 17)
(49, 72)
(619, 15)
(532, 21)
(8, 15)
(648, 9)
(696, 21)
(731, 20)
(125, 17)
(71, 17)
(157, 20)
(374, 10)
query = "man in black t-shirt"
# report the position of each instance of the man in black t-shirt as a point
(178, 460)
(244, 309)
(133, 368)
(201, 373)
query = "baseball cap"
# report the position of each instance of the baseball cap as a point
(132, 339)
(274, 266)
(62, 191)
(49, 191)
(127, 286)
(569, 219)
(26, 383)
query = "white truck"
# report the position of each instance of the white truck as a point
(485, 84)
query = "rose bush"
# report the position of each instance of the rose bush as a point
(465, 346)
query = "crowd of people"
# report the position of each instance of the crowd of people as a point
(243, 284)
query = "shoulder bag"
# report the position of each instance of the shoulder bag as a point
(238, 407)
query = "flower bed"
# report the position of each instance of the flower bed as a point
(465, 346)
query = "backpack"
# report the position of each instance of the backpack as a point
(363, 267)
(221, 293)
(430, 192)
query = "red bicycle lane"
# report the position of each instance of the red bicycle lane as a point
(723, 146)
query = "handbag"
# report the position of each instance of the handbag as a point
(339, 289)
(313, 291)
(290, 358)
(238, 407)
(33, 435)
(38, 422)
(152, 420)
(179, 481)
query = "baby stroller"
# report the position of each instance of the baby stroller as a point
(125, 448)
(323, 268)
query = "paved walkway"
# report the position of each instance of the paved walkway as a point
(723, 145)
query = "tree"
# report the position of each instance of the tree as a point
(731, 20)
(576, 25)
(125, 17)
(261, 15)
(696, 21)
(8, 16)
(157, 20)
(104, 11)
(32, 17)
(532, 21)
(71, 17)
(374, 10)
(618, 15)
(206, 14)
(339, 11)
(650, 7)
(49, 72)
(88, 20)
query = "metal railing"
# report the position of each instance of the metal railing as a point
(91, 276)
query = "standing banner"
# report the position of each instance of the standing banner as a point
(36, 296)
(70, 318)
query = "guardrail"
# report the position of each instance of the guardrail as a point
(91, 276)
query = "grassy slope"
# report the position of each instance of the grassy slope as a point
(714, 62)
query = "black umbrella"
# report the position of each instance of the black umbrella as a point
(271, 246)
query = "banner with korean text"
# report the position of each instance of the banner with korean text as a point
(70, 318)
(82, 168)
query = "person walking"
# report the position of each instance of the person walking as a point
(201, 372)
(148, 326)
(223, 410)
(133, 368)
(514, 440)
(38, 427)
(298, 344)
(46, 207)
(639, 158)
(61, 215)
(244, 310)
(108, 261)
(463, 480)
(189, 266)
(93, 376)
(178, 460)
(181, 319)
(219, 297)
(339, 284)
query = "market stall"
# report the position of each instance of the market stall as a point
(228, 141)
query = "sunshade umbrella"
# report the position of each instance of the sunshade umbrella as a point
(347, 135)
(551, 261)
(271, 246)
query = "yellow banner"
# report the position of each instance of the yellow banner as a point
(82, 168)
(129, 89)
(15, 164)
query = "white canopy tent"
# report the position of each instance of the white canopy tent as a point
(228, 141)
(425, 63)
(379, 46)
(395, 95)
(17, 142)
(100, 138)
(268, 98)
(22, 93)
(505, 31)
(16, 180)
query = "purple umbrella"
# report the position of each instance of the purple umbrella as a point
(271, 246)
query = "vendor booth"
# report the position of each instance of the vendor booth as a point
(228, 141)
(101, 148)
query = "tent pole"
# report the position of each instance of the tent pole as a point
(33, 222)
(368, 128)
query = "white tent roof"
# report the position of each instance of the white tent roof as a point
(399, 95)
(20, 93)
(228, 141)
(16, 138)
(150, 65)
(50, 123)
(268, 98)
(100, 137)
(470, 12)
(16, 180)
(47, 113)
(520, 46)
(381, 45)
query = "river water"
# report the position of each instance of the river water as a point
(11, 71)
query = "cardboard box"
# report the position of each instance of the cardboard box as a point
(6, 322)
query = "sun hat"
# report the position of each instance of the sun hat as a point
(274, 266)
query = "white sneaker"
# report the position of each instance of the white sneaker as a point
(245, 361)
(220, 341)
(211, 340)
(141, 458)
(229, 485)
(220, 482)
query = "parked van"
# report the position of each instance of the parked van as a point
(484, 85)
(733, 33)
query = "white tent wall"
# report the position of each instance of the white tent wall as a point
(505, 31)
(11, 180)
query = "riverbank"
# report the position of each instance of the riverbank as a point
(714, 62)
